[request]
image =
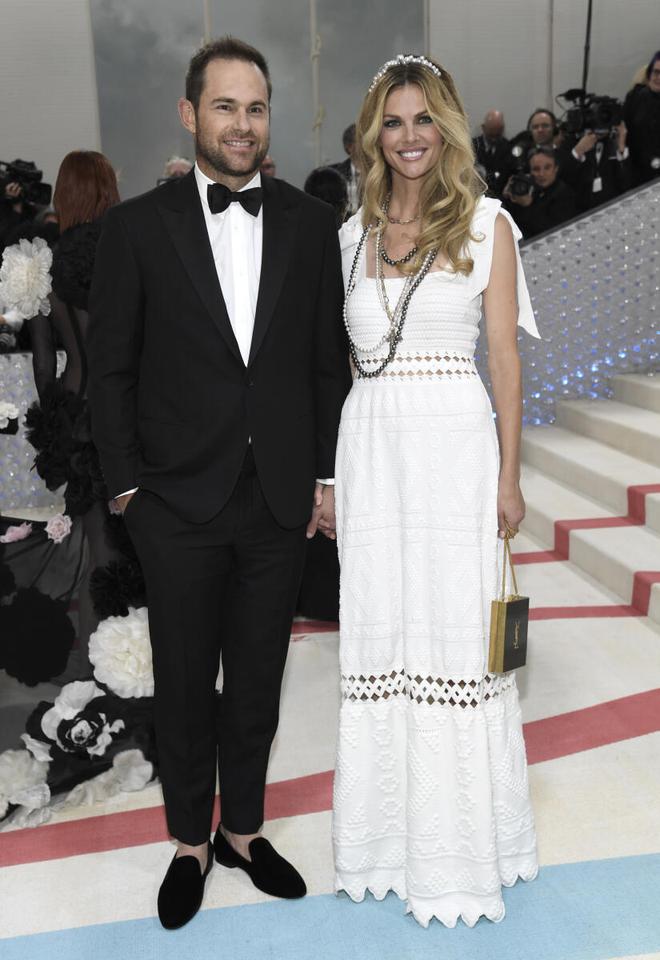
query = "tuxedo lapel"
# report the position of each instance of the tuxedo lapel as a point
(181, 209)
(279, 229)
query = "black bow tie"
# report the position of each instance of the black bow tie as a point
(220, 196)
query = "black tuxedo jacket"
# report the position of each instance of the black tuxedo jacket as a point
(344, 167)
(615, 175)
(173, 405)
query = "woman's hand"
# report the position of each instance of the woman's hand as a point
(510, 506)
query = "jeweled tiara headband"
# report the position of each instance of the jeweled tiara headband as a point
(402, 60)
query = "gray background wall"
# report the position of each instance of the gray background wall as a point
(142, 50)
(518, 54)
(48, 101)
(55, 53)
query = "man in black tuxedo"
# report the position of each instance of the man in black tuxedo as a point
(549, 202)
(598, 168)
(492, 151)
(349, 171)
(218, 369)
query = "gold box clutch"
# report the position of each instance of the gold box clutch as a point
(509, 617)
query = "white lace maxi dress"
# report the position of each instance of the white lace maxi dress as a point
(431, 793)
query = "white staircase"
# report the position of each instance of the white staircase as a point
(581, 468)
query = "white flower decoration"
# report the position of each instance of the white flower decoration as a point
(8, 411)
(130, 771)
(58, 527)
(120, 651)
(38, 749)
(22, 781)
(73, 699)
(25, 280)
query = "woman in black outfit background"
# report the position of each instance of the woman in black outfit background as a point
(642, 116)
(58, 425)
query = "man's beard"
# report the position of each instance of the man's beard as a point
(215, 157)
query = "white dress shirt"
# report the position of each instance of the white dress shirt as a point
(236, 239)
(353, 189)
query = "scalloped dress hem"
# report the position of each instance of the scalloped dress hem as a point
(492, 908)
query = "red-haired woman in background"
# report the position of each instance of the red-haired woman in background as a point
(58, 426)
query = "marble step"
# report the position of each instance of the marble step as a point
(611, 556)
(627, 428)
(547, 500)
(591, 468)
(638, 389)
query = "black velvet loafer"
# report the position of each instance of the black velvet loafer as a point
(181, 892)
(267, 870)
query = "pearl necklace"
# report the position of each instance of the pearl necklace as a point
(396, 319)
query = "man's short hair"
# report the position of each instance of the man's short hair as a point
(542, 110)
(544, 152)
(348, 136)
(226, 48)
(175, 161)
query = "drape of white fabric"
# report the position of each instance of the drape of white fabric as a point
(431, 792)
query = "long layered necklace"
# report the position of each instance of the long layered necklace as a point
(396, 318)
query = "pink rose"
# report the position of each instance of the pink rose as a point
(16, 533)
(58, 527)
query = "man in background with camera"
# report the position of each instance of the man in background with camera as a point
(541, 200)
(541, 131)
(598, 167)
(22, 194)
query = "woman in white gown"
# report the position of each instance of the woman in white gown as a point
(431, 792)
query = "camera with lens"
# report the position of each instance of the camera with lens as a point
(591, 112)
(29, 179)
(520, 184)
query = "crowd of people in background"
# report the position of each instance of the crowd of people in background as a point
(552, 170)
(546, 174)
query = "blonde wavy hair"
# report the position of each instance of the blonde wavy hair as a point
(451, 190)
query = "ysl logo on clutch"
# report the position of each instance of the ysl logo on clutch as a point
(516, 635)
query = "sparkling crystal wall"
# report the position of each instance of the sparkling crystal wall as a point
(594, 286)
(20, 486)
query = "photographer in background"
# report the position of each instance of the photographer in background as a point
(492, 152)
(642, 116)
(598, 167)
(22, 194)
(541, 131)
(547, 202)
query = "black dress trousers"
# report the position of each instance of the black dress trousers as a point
(222, 589)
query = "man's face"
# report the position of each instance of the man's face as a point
(231, 125)
(493, 128)
(543, 170)
(541, 127)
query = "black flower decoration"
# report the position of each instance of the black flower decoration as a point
(116, 587)
(36, 636)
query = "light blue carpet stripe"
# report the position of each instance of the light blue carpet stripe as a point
(582, 911)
